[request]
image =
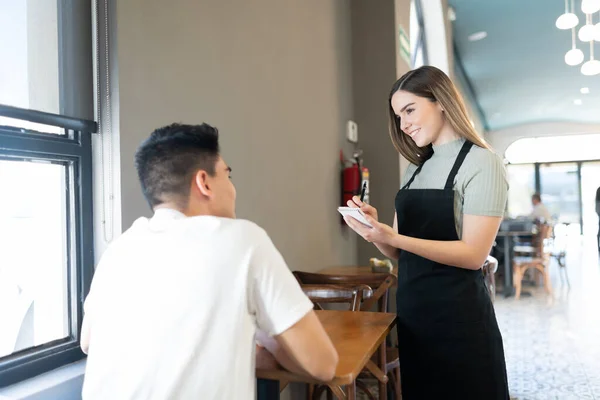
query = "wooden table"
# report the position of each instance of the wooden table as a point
(356, 336)
(509, 289)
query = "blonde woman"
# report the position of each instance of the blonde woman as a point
(448, 212)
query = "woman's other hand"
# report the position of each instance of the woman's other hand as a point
(378, 234)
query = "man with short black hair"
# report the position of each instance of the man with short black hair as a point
(178, 300)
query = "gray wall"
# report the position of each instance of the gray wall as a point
(373, 73)
(275, 78)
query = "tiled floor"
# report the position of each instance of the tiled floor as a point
(552, 343)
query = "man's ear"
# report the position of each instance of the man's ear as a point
(201, 183)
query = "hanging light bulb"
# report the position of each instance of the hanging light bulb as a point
(587, 32)
(573, 56)
(590, 6)
(591, 67)
(567, 20)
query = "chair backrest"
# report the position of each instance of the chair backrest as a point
(380, 282)
(540, 239)
(333, 294)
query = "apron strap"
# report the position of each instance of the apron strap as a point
(412, 178)
(457, 164)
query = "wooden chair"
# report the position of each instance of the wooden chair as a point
(556, 250)
(333, 294)
(384, 366)
(538, 260)
(380, 282)
(559, 253)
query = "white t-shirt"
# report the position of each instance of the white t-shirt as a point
(541, 212)
(175, 304)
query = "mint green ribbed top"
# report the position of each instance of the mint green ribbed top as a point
(480, 186)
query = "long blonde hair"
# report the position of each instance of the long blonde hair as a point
(433, 84)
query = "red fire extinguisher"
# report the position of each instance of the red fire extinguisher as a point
(354, 177)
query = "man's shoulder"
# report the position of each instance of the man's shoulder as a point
(245, 226)
(244, 232)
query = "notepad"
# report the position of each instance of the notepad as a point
(354, 213)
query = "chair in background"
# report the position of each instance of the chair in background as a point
(335, 294)
(385, 366)
(559, 253)
(538, 259)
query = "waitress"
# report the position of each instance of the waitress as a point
(448, 212)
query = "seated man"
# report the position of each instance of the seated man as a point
(540, 212)
(177, 299)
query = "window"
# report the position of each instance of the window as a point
(46, 244)
(554, 149)
(418, 48)
(522, 185)
(566, 177)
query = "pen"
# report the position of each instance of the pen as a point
(362, 194)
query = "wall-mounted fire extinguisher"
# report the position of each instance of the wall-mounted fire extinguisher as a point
(354, 176)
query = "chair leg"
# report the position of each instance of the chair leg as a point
(310, 391)
(397, 390)
(318, 391)
(547, 282)
(517, 278)
(563, 269)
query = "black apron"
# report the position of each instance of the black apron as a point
(449, 342)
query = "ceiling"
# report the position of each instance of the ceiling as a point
(517, 73)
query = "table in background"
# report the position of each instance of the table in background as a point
(509, 289)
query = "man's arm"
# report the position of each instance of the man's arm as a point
(305, 348)
(264, 359)
(85, 334)
(287, 325)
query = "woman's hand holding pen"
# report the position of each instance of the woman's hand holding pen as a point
(366, 209)
(380, 233)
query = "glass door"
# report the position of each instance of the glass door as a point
(559, 185)
(521, 182)
(590, 182)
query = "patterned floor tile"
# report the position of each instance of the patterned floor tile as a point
(552, 343)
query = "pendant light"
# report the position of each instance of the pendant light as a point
(587, 32)
(590, 6)
(573, 56)
(567, 20)
(591, 67)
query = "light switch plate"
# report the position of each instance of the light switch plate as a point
(352, 132)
